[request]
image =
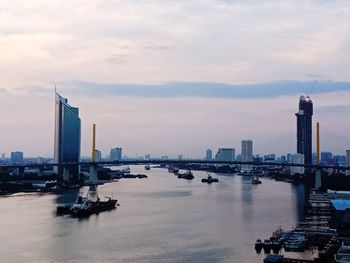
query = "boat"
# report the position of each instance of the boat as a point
(255, 180)
(126, 170)
(210, 179)
(188, 175)
(267, 245)
(88, 205)
(173, 170)
(258, 245)
(276, 246)
(343, 254)
(147, 167)
(63, 209)
(295, 246)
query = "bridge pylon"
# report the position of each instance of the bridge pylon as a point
(93, 167)
(318, 175)
(65, 174)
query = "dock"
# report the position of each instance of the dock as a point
(282, 259)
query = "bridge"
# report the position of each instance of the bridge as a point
(94, 164)
(170, 161)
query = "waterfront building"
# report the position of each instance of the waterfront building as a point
(304, 128)
(297, 159)
(270, 157)
(116, 154)
(209, 155)
(3, 157)
(257, 159)
(348, 161)
(340, 159)
(17, 157)
(225, 154)
(67, 134)
(147, 157)
(180, 157)
(326, 157)
(283, 159)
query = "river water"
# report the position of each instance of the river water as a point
(160, 219)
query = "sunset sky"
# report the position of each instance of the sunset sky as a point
(174, 77)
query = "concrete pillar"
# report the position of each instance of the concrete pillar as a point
(93, 174)
(40, 171)
(65, 173)
(318, 183)
(21, 171)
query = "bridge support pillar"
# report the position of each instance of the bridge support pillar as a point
(40, 171)
(318, 180)
(21, 171)
(93, 174)
(65, 173)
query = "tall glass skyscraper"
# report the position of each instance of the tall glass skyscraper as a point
(67, 134)
(304, 128)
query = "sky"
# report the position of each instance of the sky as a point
(174, 77)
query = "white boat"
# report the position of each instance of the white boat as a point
(126, 170)
(343, 254)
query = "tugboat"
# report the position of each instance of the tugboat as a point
(258, 245)
(210, 179)
(147, 167)
(86, 206)
(267, 245)
(173, 170)
(255, 180)
(188, 175)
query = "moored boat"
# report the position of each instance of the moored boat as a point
(188, 175)
(210, 180)
(173, 170)
(255, 180)
(258, 245)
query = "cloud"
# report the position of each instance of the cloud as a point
(212, 41)
(204, 89)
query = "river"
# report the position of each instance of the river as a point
(160, 219)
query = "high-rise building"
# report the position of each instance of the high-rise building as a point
(209, 155)
(247, 153)
(348, 161)
(304, 128)
(16, 157)
(116, 154)
(67, 134)
(247, 150)
(225, 154)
